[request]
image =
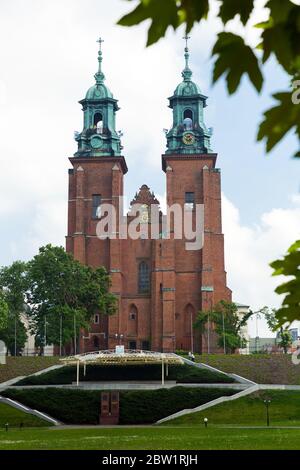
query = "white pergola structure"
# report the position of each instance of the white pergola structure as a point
(128, 357)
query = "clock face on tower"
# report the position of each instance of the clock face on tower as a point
(188, 139)
(96, 142)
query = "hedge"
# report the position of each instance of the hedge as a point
(97, 373)
(136, 407)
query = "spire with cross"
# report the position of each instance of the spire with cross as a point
(100, 77)
(187, 73)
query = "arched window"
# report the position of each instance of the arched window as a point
(133, 312)
(188, 119)
(188, 113)
(144, 278)
(132, 327)
(98, 123)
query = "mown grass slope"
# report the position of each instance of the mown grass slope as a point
(20, 366)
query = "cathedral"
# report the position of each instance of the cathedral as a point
(160, 285)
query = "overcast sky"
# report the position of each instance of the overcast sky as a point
(48, 56)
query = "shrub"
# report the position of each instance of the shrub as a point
(136, 407)
(98, 373)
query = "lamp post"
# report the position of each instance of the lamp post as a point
(224, 338)
(267, 404)
(192, 333)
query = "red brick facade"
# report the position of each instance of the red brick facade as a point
(182, 282)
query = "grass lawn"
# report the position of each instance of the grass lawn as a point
(15, 417)
(151, 438)
(20, 366)
(261, 368)
(284, 410)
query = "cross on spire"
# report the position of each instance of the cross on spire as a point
(100, 41)
(187, 73)
(186, 38)
(100, 75)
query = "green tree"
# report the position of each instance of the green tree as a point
(14, 284)
(3, 312)
(200, 325)
(285, 339)
(14, 335)
(228, 325)
(280, 40)
(63, 296)
(284, 336)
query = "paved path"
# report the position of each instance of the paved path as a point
(130, 386)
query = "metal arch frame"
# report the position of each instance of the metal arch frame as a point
(129, 357)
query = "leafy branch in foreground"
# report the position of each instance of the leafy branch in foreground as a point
(234, 59)
(289, 266)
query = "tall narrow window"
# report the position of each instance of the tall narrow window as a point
(188, 119)
(96, 210)
(188, 113)
(98, 123)
(189, 201)
(144, 278)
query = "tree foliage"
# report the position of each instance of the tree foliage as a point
(289, 266)
(234, 59)
(272, 318)
(64, 292)
(280, 37)
(228, 325)
(14, 284)
(3, 312)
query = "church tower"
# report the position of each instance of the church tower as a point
(189, 134)
(192, 178)
(96, 178)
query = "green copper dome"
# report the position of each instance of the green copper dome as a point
(187, 88)
(98, 91)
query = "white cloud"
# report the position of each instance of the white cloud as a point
(47, 64)
(250, 249)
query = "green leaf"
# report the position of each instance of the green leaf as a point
(136, 16)
(281, 34)
(280, 10)
(162, 17)
(229, 49)
(164, 14)
(277, 41)
(289, 266)
(230, 8)
(191, 11)
(279, 120)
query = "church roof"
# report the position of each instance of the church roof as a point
(187, 88)
(97, 92)
(144, 196)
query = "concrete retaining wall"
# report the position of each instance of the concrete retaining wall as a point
(30, 411)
